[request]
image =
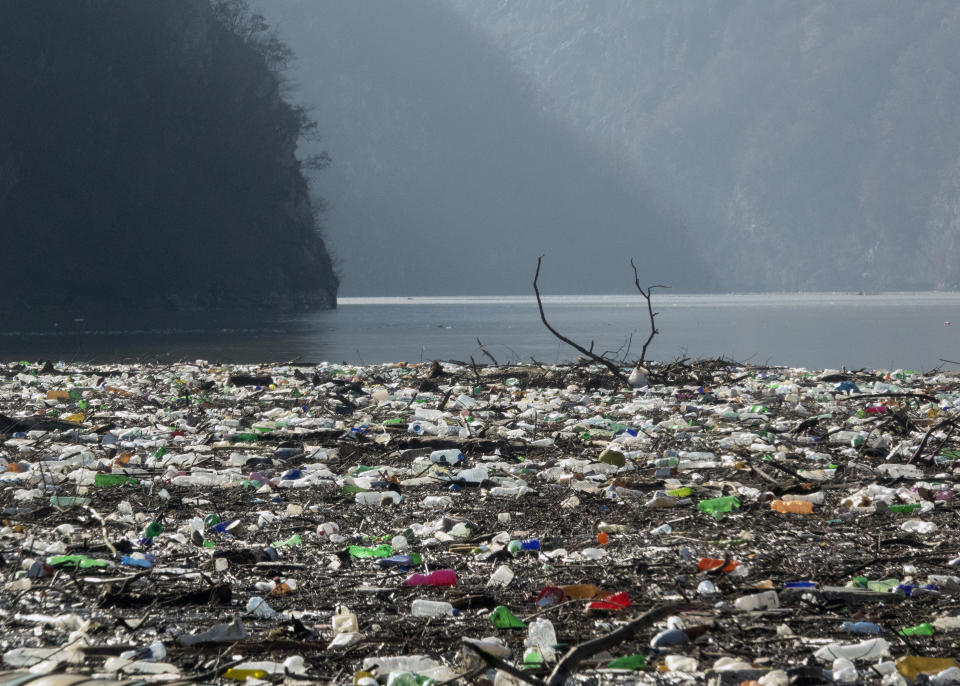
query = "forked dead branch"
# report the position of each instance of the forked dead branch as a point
(613, 367)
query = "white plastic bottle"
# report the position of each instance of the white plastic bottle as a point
(864, 650)
(542, 636)
(502, 576)
(432, 608)
(767, 600)
(344, 621)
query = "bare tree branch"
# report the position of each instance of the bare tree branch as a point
(614, 369)
(646, 296)
(502, 665)
(582, 651)
(484, 351)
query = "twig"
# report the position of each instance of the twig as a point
(103, 528)
(646, 296)
(926, 437)
(504, 666)
(466, 675)
(543, 317)
(582, 651)
(485, 352)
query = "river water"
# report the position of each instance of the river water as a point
(820, 330)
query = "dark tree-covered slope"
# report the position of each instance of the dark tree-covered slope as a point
(147, 159)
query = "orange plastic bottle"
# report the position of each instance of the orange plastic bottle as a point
(911, 665)
(583, 592)
(792, 506)
(711, 563)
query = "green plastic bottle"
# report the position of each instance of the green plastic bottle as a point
(382, 550)
(925, 629)
(718, 507)
(290, 542)
(628, 662)
(108, 480)
(503, 618)
(81, 561)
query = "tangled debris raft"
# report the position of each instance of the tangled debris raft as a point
(406, 523)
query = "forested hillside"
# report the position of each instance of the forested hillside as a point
(148, 160)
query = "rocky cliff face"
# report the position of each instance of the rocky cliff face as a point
(148, 160)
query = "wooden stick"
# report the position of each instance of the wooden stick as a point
(502, 665)
(580, 652)
(596, 358)
(646, 296)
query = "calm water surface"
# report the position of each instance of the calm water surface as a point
(887, 330)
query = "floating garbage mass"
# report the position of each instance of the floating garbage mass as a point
(408, 524)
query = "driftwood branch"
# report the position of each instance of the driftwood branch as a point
(568, 664)
(504, 666)
(949, 421)
(646, 296)
(582, 651)
(614, 369)
(485, 352)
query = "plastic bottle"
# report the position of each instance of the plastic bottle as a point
(681, 663)
(418, 664)
(452, 456)
(258, 607)
(441, 577)
(706, 587)
(516, 546)
(852, 438)
(501, 577)
(473, 475)
(864, 650)
(617, 601)
(503, 618)
(508, 491)
(154, 651)
(860, 628)
(582, 592)
(432, 608)
(436, 502)
(718, 506)
(925, 629)
(218, 633)
(844, 671)
(359, 551)
(710, 563)
(910, 666)
(767, 600)
(919, 526)
(815, 498)
(542, 636)
(377, 498)
(669, 637)
(792, 506)
(628, 662)
(344, 621)
(950, 675)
